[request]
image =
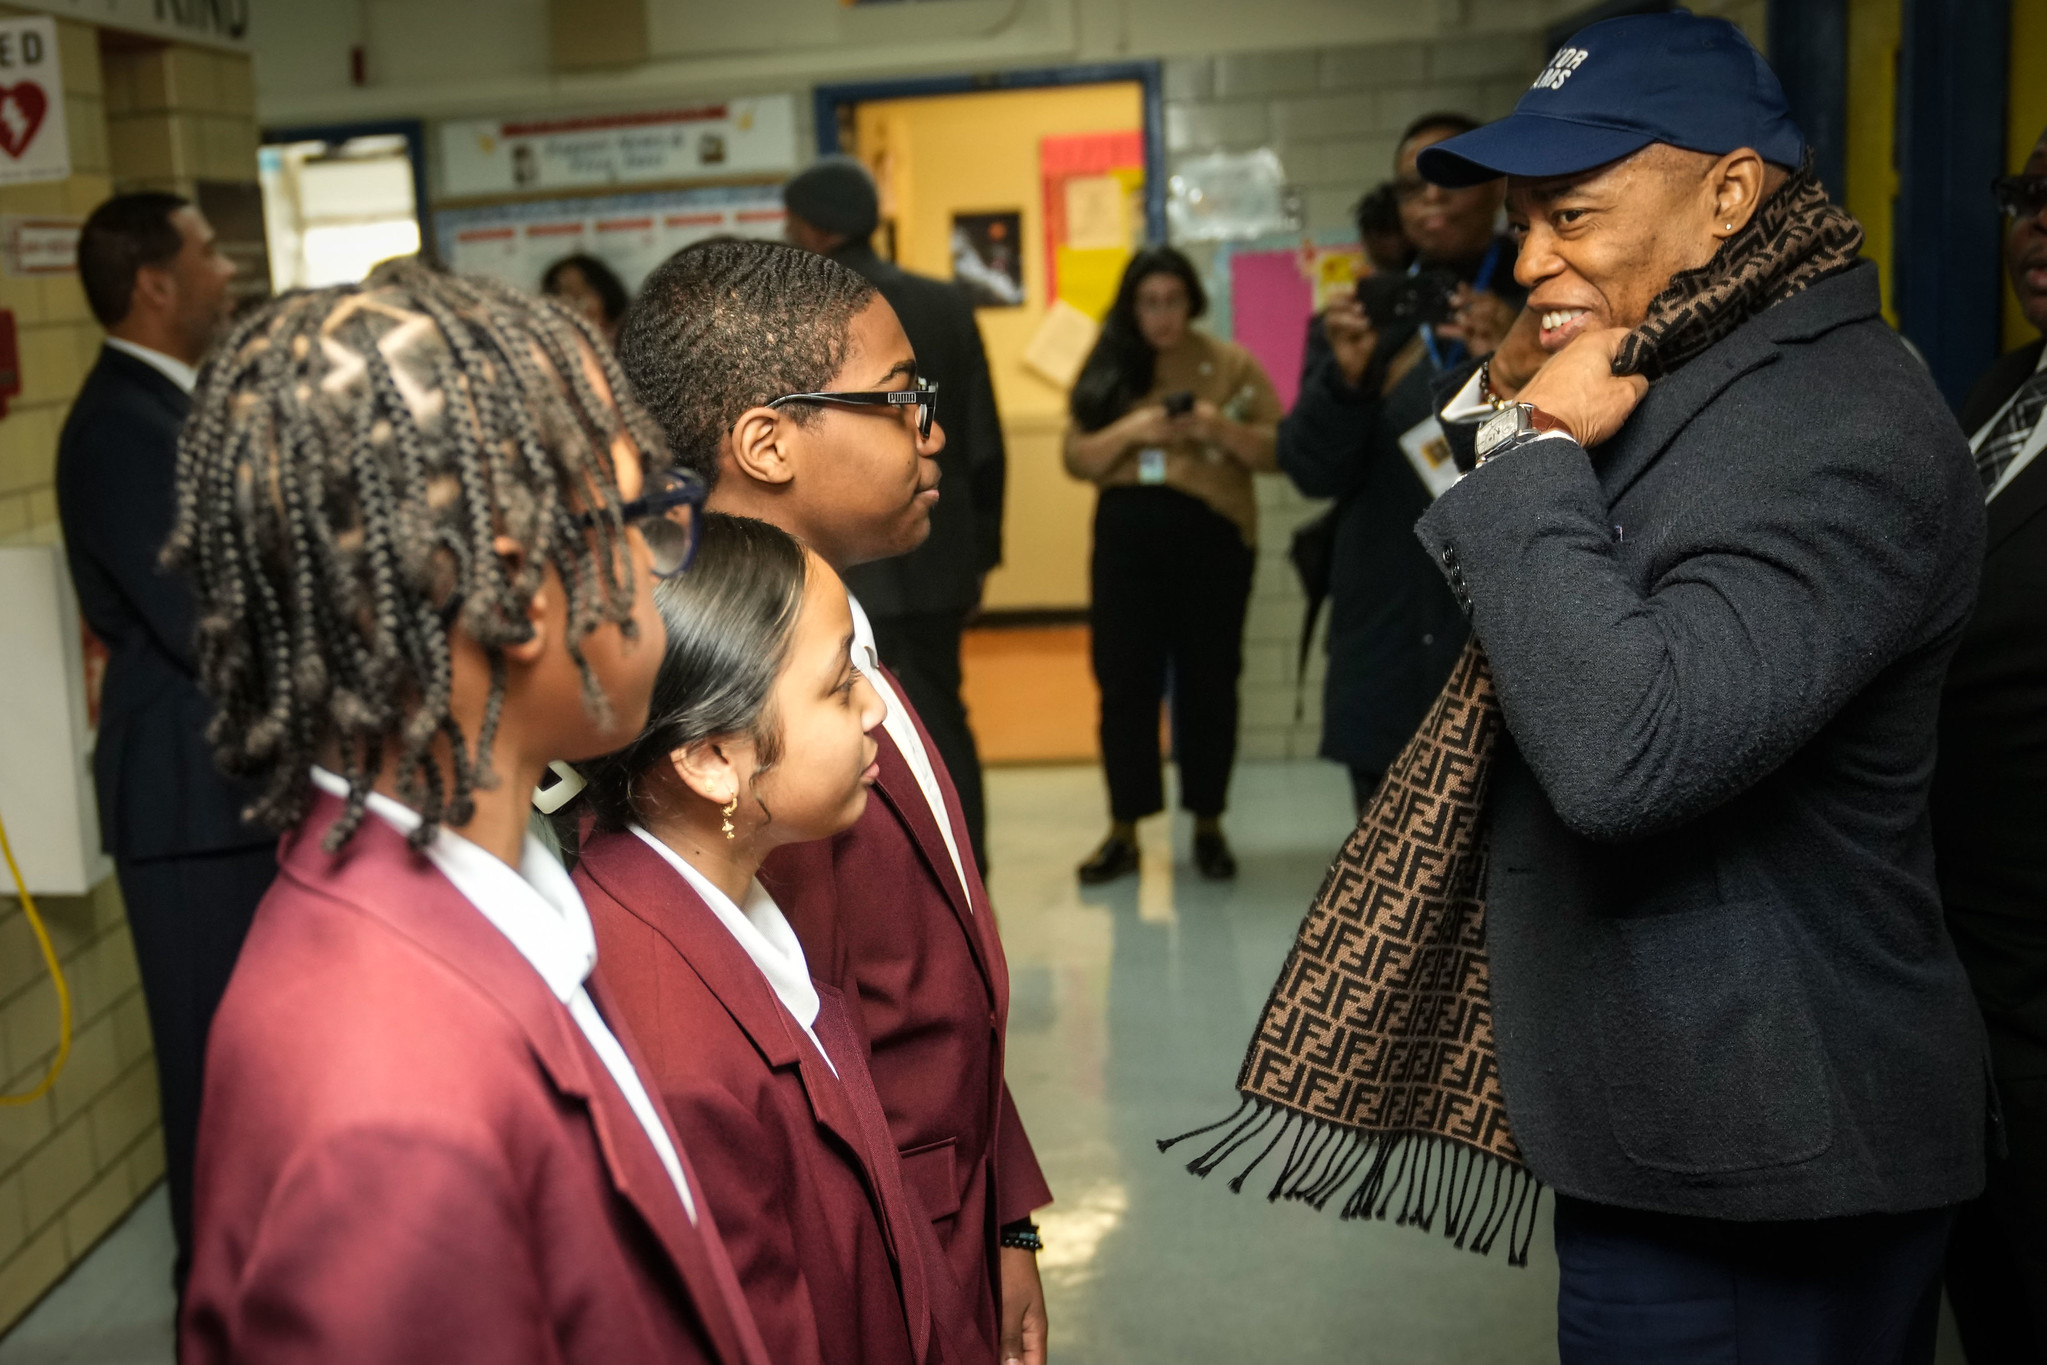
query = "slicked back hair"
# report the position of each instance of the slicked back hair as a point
(351, 455)
(724, 326)
(730, 620)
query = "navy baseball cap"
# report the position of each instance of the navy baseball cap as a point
(1621, 84)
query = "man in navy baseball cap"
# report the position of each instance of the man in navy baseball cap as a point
(1719, 545)
(1618, 86)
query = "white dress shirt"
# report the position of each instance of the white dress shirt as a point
(763, 931)
(903, 731)
(538, 908)
(2031, 448)
(173, 369)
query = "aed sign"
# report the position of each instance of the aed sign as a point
(33, 142)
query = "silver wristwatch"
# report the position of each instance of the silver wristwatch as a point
(1511, 424)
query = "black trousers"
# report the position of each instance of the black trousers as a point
(923, 651)
(1636, 1287)
(1171, 581)
(188, 916)
(1997, 1258)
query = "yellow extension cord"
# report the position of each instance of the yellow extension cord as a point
(35, 922)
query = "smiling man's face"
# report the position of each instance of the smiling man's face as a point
(1598, 246)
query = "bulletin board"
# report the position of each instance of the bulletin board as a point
(1268, 288)
(631, 233)
(1094, 214)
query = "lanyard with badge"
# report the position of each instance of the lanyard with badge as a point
(1424, 443)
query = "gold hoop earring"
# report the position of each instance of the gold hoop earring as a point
(727, 810)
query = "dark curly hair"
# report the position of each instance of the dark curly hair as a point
(730, 620)
(351, 455)
(723, 326)
(601, 278)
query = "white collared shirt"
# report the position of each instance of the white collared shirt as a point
(903, 731)
(172, 368)
(538, 908)
(2027, 452)
(763, 931)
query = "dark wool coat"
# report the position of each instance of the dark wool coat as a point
(1990, 789)
(1720, 980)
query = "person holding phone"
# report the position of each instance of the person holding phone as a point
(1363, 419)
(1170, 424)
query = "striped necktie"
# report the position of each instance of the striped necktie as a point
(2005, 440)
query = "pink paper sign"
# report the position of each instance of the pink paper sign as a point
(1270, 304)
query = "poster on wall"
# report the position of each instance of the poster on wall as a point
(987, 257)
(739, 137)
(1094, 214)
(34, 144)
(631, 233)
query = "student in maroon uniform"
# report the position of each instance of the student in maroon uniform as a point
(421, 528)
(785, 380)
(758, 738)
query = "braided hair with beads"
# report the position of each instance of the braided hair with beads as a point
(352, 455)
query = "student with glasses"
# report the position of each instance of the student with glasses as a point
(1989, 792)
(1170, 424)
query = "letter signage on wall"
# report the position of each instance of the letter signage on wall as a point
(736, 138)
(214, 23)
(33, 142)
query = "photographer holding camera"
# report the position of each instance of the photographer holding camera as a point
(1170, 423)
(1362, 432)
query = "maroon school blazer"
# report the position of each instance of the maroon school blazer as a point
(879, 910)
(409, 1152)
(799, 1164)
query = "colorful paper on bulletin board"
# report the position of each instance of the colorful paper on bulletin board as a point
(1082, 161)
(1271, 300)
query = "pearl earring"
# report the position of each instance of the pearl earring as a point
(1730, 227)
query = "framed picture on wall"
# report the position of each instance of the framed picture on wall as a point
(987, 257)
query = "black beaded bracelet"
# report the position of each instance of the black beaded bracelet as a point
(1023, 1235)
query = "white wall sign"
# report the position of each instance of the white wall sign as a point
(736, 138)
(33, 142)
(39, 246)
(631, 233)
(215, 23)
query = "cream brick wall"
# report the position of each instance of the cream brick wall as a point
(75, 1161)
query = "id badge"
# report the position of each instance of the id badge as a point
(1151, 465)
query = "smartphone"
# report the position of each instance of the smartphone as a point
(1423, 297)
(1178, 404)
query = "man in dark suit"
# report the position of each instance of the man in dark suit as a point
(1394, 629)
(1718, 608)
(191, 871)
(919, 602)
(1990, 814)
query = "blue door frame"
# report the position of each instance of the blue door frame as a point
(829, 99)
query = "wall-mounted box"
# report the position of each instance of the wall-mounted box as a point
(46, 793)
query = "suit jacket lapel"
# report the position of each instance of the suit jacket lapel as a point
(381, 876)
(898, 786)
(2022, 499)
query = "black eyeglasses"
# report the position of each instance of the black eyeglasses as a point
(925, 396)
(669, 515)
(2020, 196)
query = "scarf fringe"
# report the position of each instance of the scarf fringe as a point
(1479, 1196)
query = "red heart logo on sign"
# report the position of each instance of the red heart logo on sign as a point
(21, 113)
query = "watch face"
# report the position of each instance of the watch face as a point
(1498, 429)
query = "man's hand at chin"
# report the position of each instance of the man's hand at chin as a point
(1023, 1308)
(1578, 387)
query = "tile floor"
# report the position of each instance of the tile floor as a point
(1131, 1007)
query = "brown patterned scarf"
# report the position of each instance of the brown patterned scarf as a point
(1373, 1067)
